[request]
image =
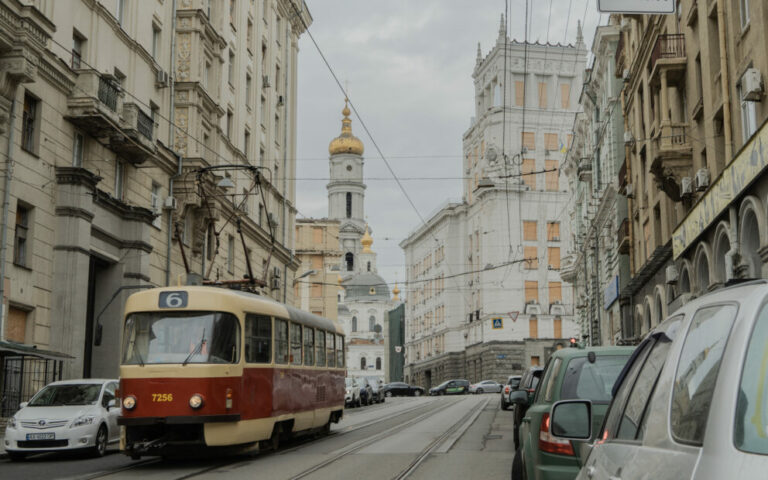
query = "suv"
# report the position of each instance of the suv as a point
(352, 393)
(451, 387)
(675, 414)
(587, 373)
(377, 387)
(513, 381)
(528, 384)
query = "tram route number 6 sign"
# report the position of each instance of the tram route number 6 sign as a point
(172, 300)
(636, 6)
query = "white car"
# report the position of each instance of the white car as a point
(352, 393)
(65, 415)
(485, 386)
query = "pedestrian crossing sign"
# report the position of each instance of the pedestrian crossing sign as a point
(498, 323)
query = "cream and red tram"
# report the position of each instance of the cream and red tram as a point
(211, 367)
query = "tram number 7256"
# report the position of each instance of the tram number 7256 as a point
(162, 397)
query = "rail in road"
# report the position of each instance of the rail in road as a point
(384, 429)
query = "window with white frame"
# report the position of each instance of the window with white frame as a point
(155, 41)
(77, 149)
(748, 116)
(119, 179)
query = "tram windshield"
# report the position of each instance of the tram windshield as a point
(181, 337)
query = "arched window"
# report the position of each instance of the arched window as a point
(378, 363)
(371, 323)
(350, 259)
(362, 363)
(349, 205)
(354, 324)
(369, 266)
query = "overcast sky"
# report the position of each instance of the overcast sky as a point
(408, 64)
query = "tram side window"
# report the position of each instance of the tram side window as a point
(295, 344)
(258, 338)
(339, 351)
(281, 341)
(320, 348)
(329, 343)
(309, 346)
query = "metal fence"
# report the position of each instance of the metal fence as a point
(108, 93)
(145, 125)
(22, 377)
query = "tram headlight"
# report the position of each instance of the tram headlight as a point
(129, 402)
(196, 401)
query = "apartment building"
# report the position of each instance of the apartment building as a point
(111, 116)
(693, 102)
(316, 287)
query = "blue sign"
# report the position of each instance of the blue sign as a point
(611, 292)
(498, 323)
(501, 356)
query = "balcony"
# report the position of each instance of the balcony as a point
(672, 157)
(135, 142)
(668, 56)
(568, 269)
(673, 140)
(585, 169)
(622, 235)
(94, 104)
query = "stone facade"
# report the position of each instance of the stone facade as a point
(317, 248)
(110, 112)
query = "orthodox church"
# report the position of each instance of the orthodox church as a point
(365, 297)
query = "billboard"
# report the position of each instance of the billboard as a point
(636, 6)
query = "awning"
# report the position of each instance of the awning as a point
(14, 348)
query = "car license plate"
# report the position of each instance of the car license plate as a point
(41, 436)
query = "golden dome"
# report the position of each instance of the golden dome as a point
(396, 292)
(346, 142)
(367, 241)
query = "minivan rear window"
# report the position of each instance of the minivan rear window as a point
(592, 381)
(750, 428)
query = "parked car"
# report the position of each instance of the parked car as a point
(690, 404)
(587, 373)
(397, 389)
(366, 392)
(528, 384)
(485, 386)
(513, 381)
(66, 415)
(451, 387)
(352, 394)
(376, 384)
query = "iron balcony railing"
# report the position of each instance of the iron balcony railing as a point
(145, 124)
(668, 46)
(108, 93)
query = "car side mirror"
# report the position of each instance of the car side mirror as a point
(23, 404)
(572, 419)
(519, 397)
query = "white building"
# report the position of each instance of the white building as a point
(485, 298)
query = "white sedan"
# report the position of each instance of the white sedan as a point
(65, 415)
(485, 386)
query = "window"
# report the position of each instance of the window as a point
(746, 435)
(748, 117)
(339, 351)
(519, 94)
(207, 74)
(550, 141)
(534, 363)
(362, 363)
(531, 291)
(529, 141)
(155, 41)
(120, 12)
(529, 230)
(528, 166)
(249, 35)
(592, 380)
(369, 266)
(697, 371)
(349, 259)
(320, 349)
(371, 323)
(330, 344)
(317, 290)
(29, 124)
(542, 95)
(232, 12)
(555, 292)
(565, 95)
(78, 42)
(295, 344)
(277, 127)
(551, 379)
(349, 205)
(378, 363)
(231, 68)
(248, 90)
(230, 116)
(20, 253)
(557, 324)
(553, 231)
(317, 237)
(531, 257)
(119, 179)
(78, 143)
(230, 254)
(744, 8)
(309, 346)
(154, 200)
(246, 144)
(533, 327)
(354, 324)
(258, 338)
(281, 341)
(263, 110)
(553, 256)
(551, 177)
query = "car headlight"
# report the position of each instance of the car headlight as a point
(12, 422)
(82, 420)
(196, 401)
(129, 402)
(348, 392)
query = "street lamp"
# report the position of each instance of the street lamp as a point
(305, 274)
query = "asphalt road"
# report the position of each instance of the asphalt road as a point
(419, 438)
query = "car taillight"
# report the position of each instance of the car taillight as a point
(550, 444)
(506, 389)
(530, 390)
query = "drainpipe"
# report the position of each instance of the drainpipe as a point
(724, 83)
(286, 56)
(6, 202)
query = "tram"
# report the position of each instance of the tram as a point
(210, 367)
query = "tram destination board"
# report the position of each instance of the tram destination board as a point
(636, 6)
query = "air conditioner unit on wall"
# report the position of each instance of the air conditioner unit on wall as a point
(162, 79)
(671, 274)
(752, 85)
(702, 179)
(170, 203)
(686, 186)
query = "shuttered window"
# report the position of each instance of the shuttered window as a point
(529, 230)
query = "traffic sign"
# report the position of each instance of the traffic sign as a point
(513, 316)
(398, 349)
(636, 6)
(498, 323)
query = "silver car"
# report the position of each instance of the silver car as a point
(691, 402)
(485, 386)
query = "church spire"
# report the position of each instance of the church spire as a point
(502, 29)
(579, 34)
